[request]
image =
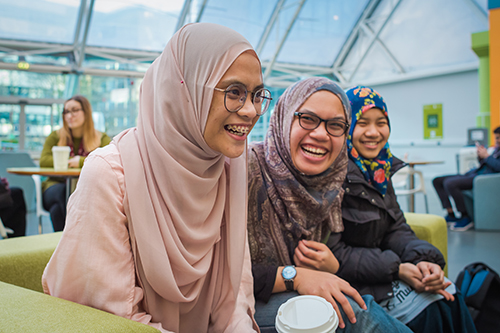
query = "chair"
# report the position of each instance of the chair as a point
(400, 182)
(19, 159)
(40, 211)
(482, 202)
(4, 231)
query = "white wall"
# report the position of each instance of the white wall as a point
(459, 95)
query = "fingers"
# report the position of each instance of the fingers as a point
(330, 299)
(446, 295)
(303, 261)
(346, 306)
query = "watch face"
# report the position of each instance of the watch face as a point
(289, 272)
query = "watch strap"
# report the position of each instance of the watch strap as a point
(289, 285)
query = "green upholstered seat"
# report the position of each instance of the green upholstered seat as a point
(431, 228)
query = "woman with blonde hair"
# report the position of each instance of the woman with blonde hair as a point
(79, 134)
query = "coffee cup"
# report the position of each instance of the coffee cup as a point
(60, 155)
(306, 313)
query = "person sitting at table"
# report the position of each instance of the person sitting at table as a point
(12, 208)
(295, 191)
(453, 185)
(378, 253)
(79, 134)
(156, 229)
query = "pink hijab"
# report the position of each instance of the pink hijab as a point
(186, 204)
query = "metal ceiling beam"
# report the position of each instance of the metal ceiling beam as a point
(280, 46)
(369, 32)
(202, 9)
(353, 36)
(83, 41)
(269, 26)
(78, 27)
(478, 10)
(373, 39)
(182, 17)
(53, 50)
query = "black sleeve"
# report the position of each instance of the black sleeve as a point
(362, 264)
(403, 241)
(264, 278)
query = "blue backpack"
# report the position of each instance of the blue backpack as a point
(480, 286)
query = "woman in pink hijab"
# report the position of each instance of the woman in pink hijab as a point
(156, 229)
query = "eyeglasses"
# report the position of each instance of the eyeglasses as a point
(334, 127)
(236, 96)
(65, 112)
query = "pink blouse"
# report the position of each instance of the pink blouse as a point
(93, 263)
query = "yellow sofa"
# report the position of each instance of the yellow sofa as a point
(431, 228)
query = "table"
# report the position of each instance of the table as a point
(49, 172)
(411, 165)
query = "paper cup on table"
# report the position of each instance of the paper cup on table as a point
(60, 155)
(306, 313)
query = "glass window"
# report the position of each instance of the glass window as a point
(317, 35)
(51, 21)
(9, 126)
(134, 24)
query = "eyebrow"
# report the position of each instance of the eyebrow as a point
(229, 82)
(334, 118)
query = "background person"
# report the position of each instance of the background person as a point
(453, 185)
(295, 191)
(378, 252)
(156, 229)
(12, 208)
(79, 134)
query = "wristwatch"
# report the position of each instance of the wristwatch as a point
(288, 273)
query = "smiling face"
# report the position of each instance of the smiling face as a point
(227, 132)
(313, 151)
(75, 120)
(371, 133)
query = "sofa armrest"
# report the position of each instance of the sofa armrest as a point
(23, 259)
(24, 310)
(431, 228)
(486, 191)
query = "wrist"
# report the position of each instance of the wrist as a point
(289, 273)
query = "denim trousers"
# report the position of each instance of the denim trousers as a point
(374, 319)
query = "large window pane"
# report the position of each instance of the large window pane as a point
(9, 126)
(134, 24)
(39, 20)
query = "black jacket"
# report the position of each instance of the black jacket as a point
(376, 238)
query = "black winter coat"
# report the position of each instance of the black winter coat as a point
(376, 238)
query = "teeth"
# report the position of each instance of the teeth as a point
(370, 143)
(238, 130)
(314, 151)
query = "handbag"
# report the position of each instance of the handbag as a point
(5, 197)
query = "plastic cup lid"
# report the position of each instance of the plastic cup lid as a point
(306, 314)
(61, 148)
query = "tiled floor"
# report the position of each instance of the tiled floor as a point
(463, 247)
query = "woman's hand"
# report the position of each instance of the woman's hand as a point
(410, 274)
(330, 287)
(74, 162)
(433, 279)
(315, 255)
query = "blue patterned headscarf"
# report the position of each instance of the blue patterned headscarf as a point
(376, 171)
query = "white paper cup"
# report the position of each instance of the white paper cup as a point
(60, 155)
(306, 313)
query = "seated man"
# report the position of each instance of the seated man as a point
(453, 185)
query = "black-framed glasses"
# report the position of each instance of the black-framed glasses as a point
(65, 112)
(334, 127)
(236, 94)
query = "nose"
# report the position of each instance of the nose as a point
(320, 132)
(248, 110)
(371, 130)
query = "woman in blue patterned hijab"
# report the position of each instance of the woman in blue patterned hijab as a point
(375, 164)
